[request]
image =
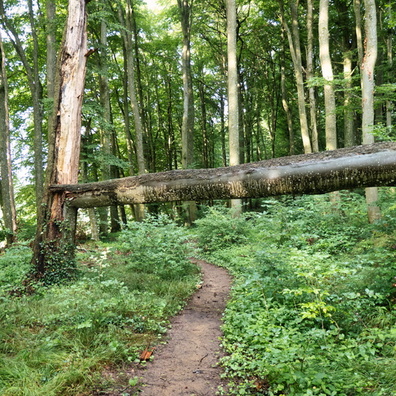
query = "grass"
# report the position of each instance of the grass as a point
(62, 339)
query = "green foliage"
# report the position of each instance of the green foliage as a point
(151, 247)
(312, 306)
(14, 267)
(216, 230)
(59, 340)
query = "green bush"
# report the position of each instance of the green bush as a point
(156, 246)
(312, 308)
(14, 266)
(218, 229)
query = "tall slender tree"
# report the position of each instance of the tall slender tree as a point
(327, 72)
(310, 75)
(185, 10)
(126, 18)
(368, 85)
(233, 93)
(7, 188)
(293, 36)
(31, 66)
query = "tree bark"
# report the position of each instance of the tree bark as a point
(389, 56)
(127, 38)
(315, 173)
(36, 89)
(54, 244)
(310, 74)
(327, 73)
(233, 92)
(368, 85)
(50, 8)
(293, 36)
(7, 188)
(358, 30)
(185, 9)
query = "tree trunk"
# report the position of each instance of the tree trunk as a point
(315, 173)
(37, 93)
(327, 72)
(295, 50)
(54, 244)
(185, 8)
(233, 94)
(349, 133)
(389, 56)
(367, 76)
(36, 89)
(126, 35)
(50, 7)
(310, 74)
(358, 30)
(108, 138)
(7, 188)
(344, 21)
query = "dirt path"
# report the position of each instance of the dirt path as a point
(186, 365)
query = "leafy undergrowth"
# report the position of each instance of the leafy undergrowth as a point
(312, 309)
(62, 339)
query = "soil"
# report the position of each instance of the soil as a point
(188, 363)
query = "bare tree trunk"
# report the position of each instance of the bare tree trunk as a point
(315, 173)
(108, 138)
(285, 103)
(54, 244)
(37, 92)
(50, 7)
(295, 50)
(327, 72)
(7, 188)
(127, 38)
(185, 8)
(32, 72)
(349, 135)
(368, 84)
(311, 89)
(358, 30)
(233, 93)
(389, 53)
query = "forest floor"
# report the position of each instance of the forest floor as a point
(187, 362)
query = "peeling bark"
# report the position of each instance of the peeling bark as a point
(53, 247)
(315, 173)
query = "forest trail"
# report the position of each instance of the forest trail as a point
(187, 363)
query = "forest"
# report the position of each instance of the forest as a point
(257, 135)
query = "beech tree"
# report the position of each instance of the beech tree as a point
(233, 92)
(293, 36)
(7, 188)
(187, 131)
(327, 72)
(367, 80)
(315, 173)
(54, 243)
(32, 70)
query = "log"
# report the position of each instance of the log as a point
(317, 173)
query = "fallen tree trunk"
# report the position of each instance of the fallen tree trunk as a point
(316, 173)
